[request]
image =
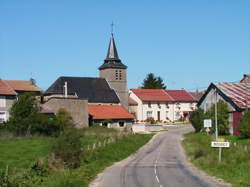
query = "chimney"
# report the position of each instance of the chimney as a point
(65, 89)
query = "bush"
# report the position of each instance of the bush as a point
(68, 147)
(222, 117)
(196, 118)
(244, 125)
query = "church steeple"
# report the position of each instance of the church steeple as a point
(112, 59)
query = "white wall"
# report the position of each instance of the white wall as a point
(165, 112)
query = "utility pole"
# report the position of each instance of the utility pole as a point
(216, 121)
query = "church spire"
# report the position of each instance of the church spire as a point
(112, 59)
(112, 51)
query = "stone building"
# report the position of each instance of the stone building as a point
(115, 72)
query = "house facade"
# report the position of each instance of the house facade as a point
(161, 105)
(9, 92)
(236, 95)
(7, 97)
(115, 116)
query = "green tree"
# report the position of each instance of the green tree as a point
(244, 126)
(63, 120)
(152, 82)
(222, 117)
(21, 113)
(196, 118)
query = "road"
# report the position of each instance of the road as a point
(160, 163)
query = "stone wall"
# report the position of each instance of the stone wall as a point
(78, 109)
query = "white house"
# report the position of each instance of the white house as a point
(236, 95)
(161, 105)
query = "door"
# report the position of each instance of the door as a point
(158, 115)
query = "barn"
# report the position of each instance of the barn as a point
(236, 95)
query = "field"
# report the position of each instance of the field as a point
(235, 165)
(102, 148)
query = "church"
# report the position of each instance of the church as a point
(90, 100)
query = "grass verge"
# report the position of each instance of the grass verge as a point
(235, 165)
(96, 161)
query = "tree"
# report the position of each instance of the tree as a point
(152, 82)
(244, 126)
(196, 118)
(21, 113)
(222, 117)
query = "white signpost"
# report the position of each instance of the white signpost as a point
(207, 123)
(220, 144)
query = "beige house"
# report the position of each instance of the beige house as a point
(161, 105)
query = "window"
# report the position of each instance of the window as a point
(118, 74)
(177, 115)
(167, 105)
(2, 101)
(149, 104)
(149, 114)
(2, 117)
(121, 123)
(167, 115)
(159, 105)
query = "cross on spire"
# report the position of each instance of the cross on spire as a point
(112, 27)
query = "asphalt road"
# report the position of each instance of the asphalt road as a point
(161, 163)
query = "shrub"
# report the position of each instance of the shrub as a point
(4, 178)
(21, 113)
(196, 118)
(222, 117)
(68, 147)
(244, 125)
(150, 120)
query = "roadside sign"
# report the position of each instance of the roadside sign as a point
(207, 123)
(220, 144)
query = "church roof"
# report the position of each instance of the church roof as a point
(96, 90)
(112, 59)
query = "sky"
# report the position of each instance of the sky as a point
(189, 43)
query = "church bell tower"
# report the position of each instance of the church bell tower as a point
(115, 72)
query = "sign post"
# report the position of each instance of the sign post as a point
(220, 143)
(207, 124)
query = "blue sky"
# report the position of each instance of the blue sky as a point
(188, 43)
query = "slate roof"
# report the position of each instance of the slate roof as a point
(181, 95)
(6, 89)
(112, 59)
(152, 95)
(96, 90)
(109, 112)
(20, 85)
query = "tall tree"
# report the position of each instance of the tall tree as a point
(152, 82)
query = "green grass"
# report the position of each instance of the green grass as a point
(20, 153)
(235, 165)
(96, 161)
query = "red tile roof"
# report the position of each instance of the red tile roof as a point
(23, 85)
(239, 93)
(181, 95)
(152, 95)
(132, 101)
(5, 89)
(109, 112)
(197, 95)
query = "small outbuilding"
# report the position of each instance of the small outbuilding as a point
(236, 95)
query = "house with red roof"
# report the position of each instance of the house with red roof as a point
(115, 116)
(7, 97)
(236, 95)
(160, 105)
